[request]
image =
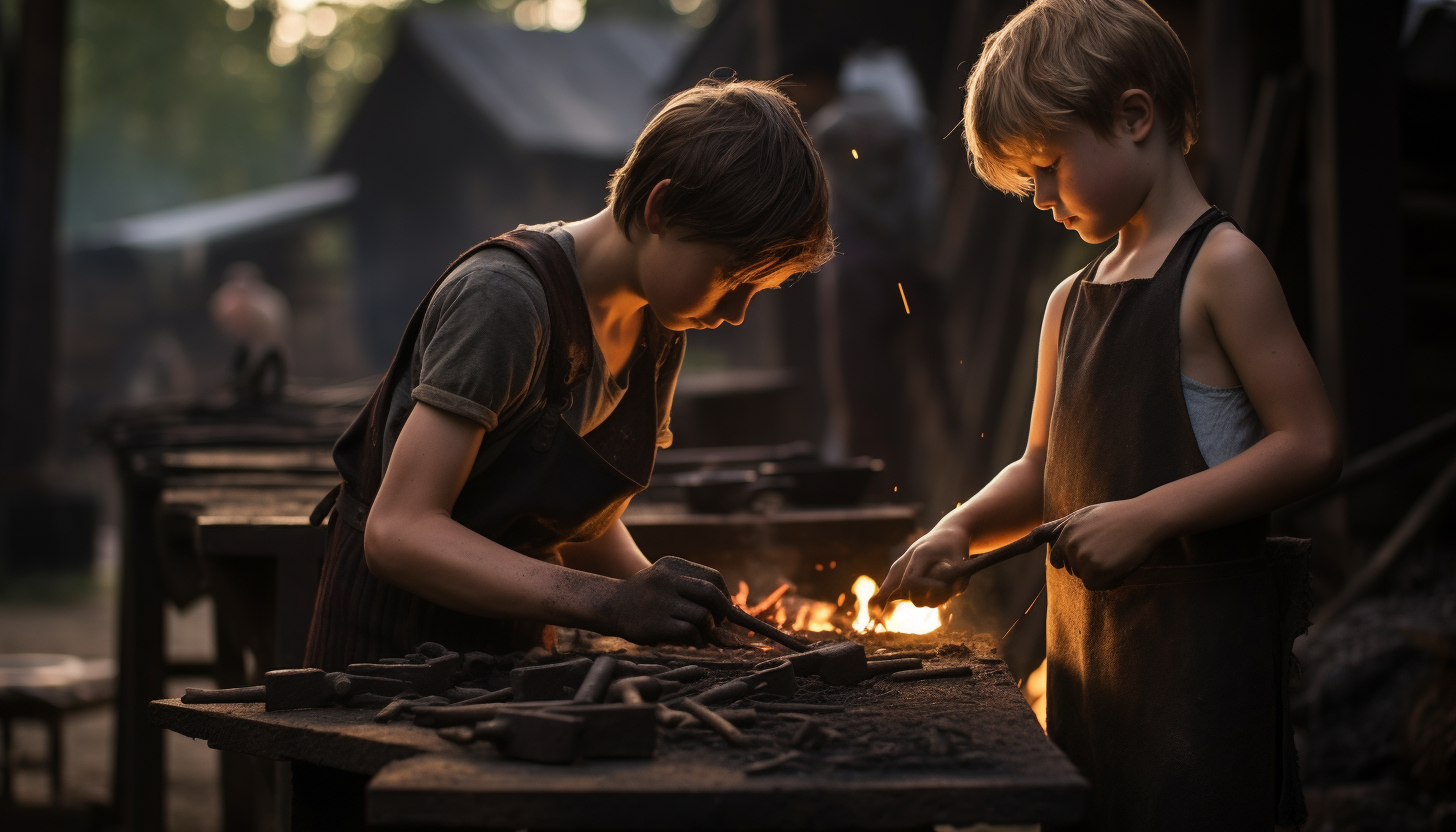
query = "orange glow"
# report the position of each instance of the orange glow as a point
(901, 617)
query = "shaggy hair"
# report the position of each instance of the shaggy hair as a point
(744, 173)
(1060, 62)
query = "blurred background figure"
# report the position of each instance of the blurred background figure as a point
(256, 316)
(881, 164)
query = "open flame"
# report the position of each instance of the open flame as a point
(901, 617)
(786, 609)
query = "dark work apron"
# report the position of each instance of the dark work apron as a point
(549, 485)
(1169, 691)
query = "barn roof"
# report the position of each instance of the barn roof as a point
(586, 92)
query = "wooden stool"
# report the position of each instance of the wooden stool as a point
(46, 687)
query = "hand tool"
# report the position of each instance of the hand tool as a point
(538, 736)
(722, 726)
(638, 689)
(880, 668)
(838, 663)
(434, 675)
(594, 686)
(740, 616)
(377, 685)
(951, 573)
(548, 681)
(774, 677)
(502, 695)
(304, 688)
(685, 674)
(933, 673)
(224, 696)
(617, 730)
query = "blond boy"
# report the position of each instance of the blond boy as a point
(1176, 406)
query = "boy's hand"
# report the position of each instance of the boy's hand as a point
(909, 577)
(1102, 543)
(672, 600)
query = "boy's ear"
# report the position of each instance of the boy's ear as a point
(1135, 114)
(652, 216)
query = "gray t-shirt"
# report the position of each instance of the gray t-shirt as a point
(482, 351)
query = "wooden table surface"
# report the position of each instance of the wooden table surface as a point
(420, 779)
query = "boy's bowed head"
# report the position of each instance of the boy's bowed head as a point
(1063, 69)
(733, 164)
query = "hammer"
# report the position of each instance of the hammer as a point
(537, 736)
(281, 690)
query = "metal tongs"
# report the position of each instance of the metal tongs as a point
(950, 573)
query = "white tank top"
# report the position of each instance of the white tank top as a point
(1223, 418)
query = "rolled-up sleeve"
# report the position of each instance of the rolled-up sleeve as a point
(483, 339)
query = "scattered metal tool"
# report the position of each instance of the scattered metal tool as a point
(538, 736)
(933, 673)
(1046, 533)
(224, 696)
(594, 686)
(740, 616)
(635, 690)
(548, 681)
(880, 668)
(838, 663)
(723, 727)
(617, 730)
(281, 690)
(434, 675)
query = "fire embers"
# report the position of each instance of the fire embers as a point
(784, 608)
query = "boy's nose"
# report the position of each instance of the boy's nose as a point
(1043, 193)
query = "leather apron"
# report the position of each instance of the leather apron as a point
(1169, 692)
(547, 487)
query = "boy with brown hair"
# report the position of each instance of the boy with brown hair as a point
(485, 480)
(1175, 407)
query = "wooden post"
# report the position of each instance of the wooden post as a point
(1324, 205)
(30, 147)
(766, 36)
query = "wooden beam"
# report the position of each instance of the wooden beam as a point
(1415, 521)
(1324, 202)
(30, 156)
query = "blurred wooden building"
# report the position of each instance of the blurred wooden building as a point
(474, 127)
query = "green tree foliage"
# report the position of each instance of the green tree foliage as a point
(168, 104)
(172, 101)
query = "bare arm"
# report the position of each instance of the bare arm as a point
(1235, 287)
(614, 554)
(411, 541)
(1006, 508)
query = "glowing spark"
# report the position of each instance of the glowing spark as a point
(902, 298)
(854, 153)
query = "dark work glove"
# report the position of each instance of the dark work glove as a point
(673, 600)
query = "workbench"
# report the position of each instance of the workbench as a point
(197, 446)
(349, 771)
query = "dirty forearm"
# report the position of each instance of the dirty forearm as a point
(438, 559)
(614, 554)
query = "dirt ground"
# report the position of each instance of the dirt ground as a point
(86, 627)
